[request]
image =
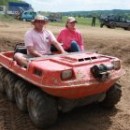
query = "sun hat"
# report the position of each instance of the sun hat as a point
(40, 18)
(71, 19)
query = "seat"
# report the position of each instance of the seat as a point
(20, 48)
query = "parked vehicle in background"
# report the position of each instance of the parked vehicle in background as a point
(13, 7)
(55, 17)
(27, 15)
(113, 21)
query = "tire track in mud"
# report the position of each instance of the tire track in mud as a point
(13, 119)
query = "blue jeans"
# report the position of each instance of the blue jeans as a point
(74, 47)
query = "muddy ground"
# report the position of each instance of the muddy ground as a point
(114, 42)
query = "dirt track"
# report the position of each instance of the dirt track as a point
(107, 41)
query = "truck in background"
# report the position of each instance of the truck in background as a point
(113, 21)
(25, 15)
(13, 7)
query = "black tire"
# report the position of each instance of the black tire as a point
(42, 108)
(24, 20)
(3, 73)
(128, 28)
(112, 25)
(108, 26)
(9, 83)
(101, 25)
(125, 28)
(112, 96)
(21, 90)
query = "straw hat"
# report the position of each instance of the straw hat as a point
(71, 19)
(40, 18)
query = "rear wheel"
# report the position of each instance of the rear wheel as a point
(112, 96)
(21, 90)
(128, 28)
(101, 25)
(9, 83)
(42, 108)
(125, 28)
(112, 25)
(3, 73)
(24, 20)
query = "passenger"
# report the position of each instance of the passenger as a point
(38, 41)
(71, 37)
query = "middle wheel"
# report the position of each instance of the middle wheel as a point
(21, 90)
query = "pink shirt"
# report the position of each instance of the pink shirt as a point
(39, 40)
(66, 36)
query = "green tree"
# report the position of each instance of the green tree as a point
(5, 2)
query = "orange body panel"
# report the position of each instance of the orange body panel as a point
(45, 73)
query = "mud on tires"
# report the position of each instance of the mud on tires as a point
(112, 96)
(42, 108)
(21, 90)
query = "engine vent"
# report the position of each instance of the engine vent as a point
(87, 59)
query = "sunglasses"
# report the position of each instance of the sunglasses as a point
(72, 22)
(39, 21)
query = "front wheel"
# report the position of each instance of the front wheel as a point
(112, 96)
(42, 108)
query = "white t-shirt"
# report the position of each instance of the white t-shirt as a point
(41, 41)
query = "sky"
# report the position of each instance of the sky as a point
(78, 5)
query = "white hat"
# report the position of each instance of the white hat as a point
(71, 19)
(40, 17)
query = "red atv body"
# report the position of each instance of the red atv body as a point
(83, 77)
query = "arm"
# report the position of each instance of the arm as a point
(33, 52)
(58, 46)
(59, 37)
(57, 43)
(81, 42)
(82, 48)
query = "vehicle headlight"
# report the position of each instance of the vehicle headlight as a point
(66, 74)
(116, 64)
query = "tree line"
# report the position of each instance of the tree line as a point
(97, 13)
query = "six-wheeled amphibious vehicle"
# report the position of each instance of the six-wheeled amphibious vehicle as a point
(60, 82)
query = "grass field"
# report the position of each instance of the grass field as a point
(6, 18)
(81, 20)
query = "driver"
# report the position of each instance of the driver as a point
(38, 41)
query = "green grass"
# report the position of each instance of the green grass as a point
(5, 2)
(7, 18)
(81, 21)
